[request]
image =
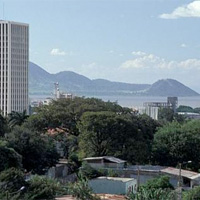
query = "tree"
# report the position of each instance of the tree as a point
(122, 135)
(165, 115)
(96, 130)
(17, 118)
(38, 151)
(3, 125)
(9, 157)
(183, 108)
(176, 143)
(66, 113)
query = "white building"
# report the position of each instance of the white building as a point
(14, 61)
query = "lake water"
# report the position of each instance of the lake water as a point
(136, 101)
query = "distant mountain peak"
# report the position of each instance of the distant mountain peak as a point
(42, 82)
(170, 87)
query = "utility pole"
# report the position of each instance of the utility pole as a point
(138, 178)
(179, 183)
(180, 179)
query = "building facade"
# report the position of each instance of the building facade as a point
(113, 185)
(14, 61)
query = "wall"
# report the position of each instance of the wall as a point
(110, 186)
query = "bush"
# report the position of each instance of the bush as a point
(89, 172)
(193, 194)
(81, 191)
(11, 183)
(153, 194)
(12, 180)
(161, 182)
(9, 157)
(41, 187)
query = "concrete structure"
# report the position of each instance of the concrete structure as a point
(105, 162)
(143, 173)
(14, 61)
(189, 178)
(152, 108)
(189, 115)
(60, 95)
(113, 185)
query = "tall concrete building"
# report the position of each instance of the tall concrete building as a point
(14, 61)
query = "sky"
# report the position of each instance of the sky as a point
(133, 41)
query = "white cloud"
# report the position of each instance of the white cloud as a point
(58, 52)
(150, 61)
(183, 45)
(188, 10)
(138, 53)
(111, 51)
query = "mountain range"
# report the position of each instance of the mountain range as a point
(42, 82)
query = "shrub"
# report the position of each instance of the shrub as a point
(89, 172)
(81, 191)
(41, 187)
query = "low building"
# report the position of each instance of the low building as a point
(113, 185)
(189, 115)
(105, 162)
(189, 178)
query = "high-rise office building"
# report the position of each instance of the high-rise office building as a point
(14, 61)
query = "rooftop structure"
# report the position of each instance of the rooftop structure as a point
(105, 162)
(184, 173)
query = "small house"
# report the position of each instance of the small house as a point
(190, 179)
(113, 185)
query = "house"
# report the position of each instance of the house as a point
(189, 178)
(105, 162)
(113, 185)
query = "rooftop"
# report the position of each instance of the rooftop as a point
(109, 158)
(115, 178)
(184, 173)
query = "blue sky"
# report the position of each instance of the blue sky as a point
(134, 41)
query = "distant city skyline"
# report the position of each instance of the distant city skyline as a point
(133, 41)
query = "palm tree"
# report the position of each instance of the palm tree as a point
(3, 125)
(17, 118)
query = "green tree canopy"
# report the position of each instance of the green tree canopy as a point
(11, 180)
(38, 152)
(176, 143)
(9, 157)
(66, 113)
(124, 136)
(3, 125)
(17, 118)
